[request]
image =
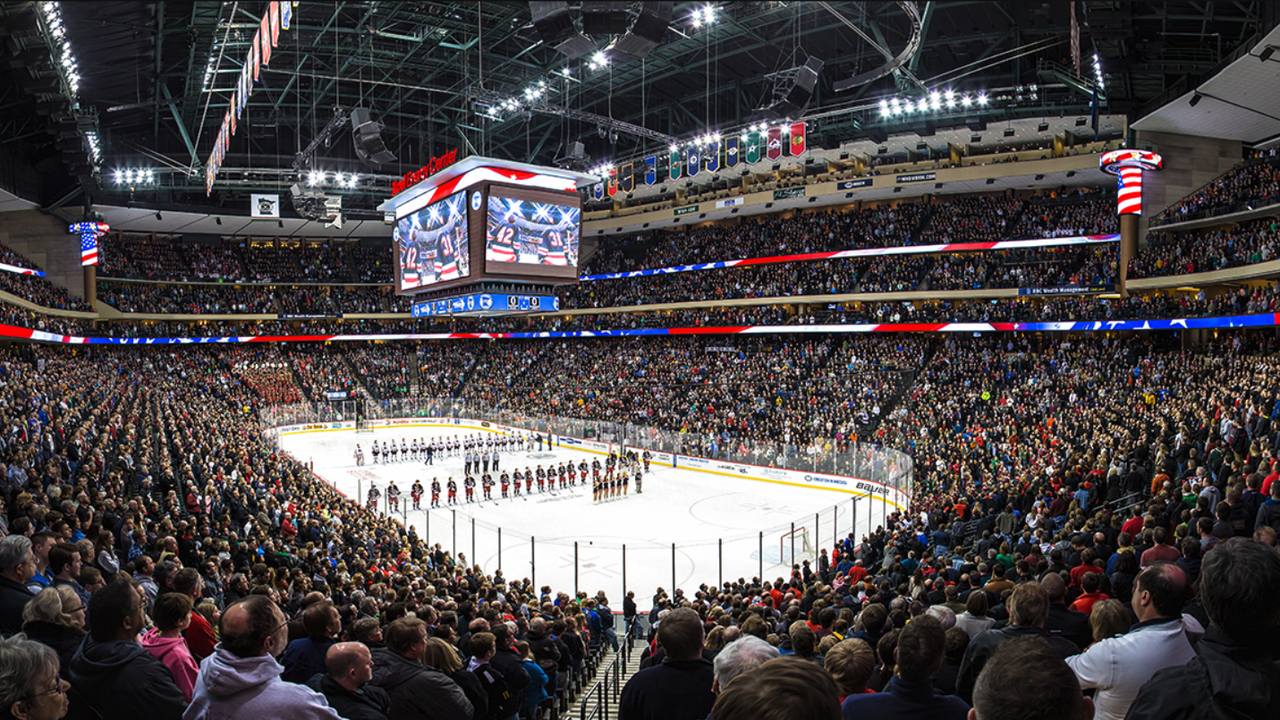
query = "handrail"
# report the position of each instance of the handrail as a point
(608, 689)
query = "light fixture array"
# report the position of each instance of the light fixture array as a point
(134, 177)
(1097, 71)
(935, 101)
(705, 15)
(347, 181)
(64, 58)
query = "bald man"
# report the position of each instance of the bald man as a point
(349, 668)
(241, 679)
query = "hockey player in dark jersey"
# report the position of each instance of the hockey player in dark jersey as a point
(528, 481)
(564, 477)
(453, 491)
(469, 483)
(517, 477)
(393, 496)
(435, 492)
(506, 481)
(542, 479)
(486, 482)
(416, 491)
(374, 495)
(647, 457)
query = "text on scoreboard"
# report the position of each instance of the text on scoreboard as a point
(487, 302)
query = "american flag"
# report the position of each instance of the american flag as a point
(89, 233)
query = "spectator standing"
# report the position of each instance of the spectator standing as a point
(680, 687)
(17, 565)
(305, 657)
(55, 618)
(417, 692)
(785, 687)
(172, 615)
(345, 683)
(1029, 609)
(30, 687)
(910, 693)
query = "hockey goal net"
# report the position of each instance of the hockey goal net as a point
(799, 540)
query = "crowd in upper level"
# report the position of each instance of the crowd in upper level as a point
(1252, 184)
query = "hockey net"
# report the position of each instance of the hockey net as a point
(803, 546)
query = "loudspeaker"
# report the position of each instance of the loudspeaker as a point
(366, 137)
(646, 32)
(556, 27)
(604, 17)
(795, 100)
(976, 124)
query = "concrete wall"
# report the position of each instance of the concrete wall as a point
(1190, 162)
(45, 241)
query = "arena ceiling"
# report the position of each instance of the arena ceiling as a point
(155, 79)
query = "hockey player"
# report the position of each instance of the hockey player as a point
(470, 484)
(647, 457)
(393, 496)
(528, 481)
(413, 449)
(564, 477)
(486, 483)
(435, 492)
(595, 468)
(573, 475)
(638, 476)
(377, 452)
(394, 450)
(374, 495)
(359, 455)
(506, 481)
(516, 478)
(542, 479)
(582, 470)
(404, 449)
(453, 491)
(416, 490)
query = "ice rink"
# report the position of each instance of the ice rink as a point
(718, 523)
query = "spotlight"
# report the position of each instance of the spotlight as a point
(159, 216)
(340, 179)
(982, 99)
(315, 178)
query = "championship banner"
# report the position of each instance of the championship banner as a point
(612, 184)
(713, 156)
(274, 11)
(692, 161)
(753, 148)
(626, 179)
(651, 170)
(797, 138)
(286, 14)
(597, 191)
(773, 150)
(673, 166)
(731, 152)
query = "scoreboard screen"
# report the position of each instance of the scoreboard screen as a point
(433, 245)
(531, 233)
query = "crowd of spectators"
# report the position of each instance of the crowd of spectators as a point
(320, 370)
(186, 299)
(1068, 215)
(384, 368)
(41, 292)
(1253, 184)
(215, 262)
(976, 218)
(142, 257)
(1173, 253)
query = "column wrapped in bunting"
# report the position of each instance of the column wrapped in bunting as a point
(1128, 165)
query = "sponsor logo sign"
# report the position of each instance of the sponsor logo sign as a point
(685, 210)
(731, 202)
(916, 177)
(824, 480)
(788, 193)
(851, 184)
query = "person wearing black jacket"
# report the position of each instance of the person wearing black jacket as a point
(1234, 673)
(507, 661)
(629, 610)
(344, 684)
(17, 566)
(680, 687)
(111, 675)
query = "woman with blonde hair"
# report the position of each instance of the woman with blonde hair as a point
(55, 617)
(441, 656)
(1108, 619)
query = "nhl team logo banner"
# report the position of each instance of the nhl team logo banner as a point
(673, 166)
(773, 150)
(731, 152)
(264, 206)
(693, 161)
(651, 170)
(713, 156)
(753, 148)
(797, 138)
(613, 182)
(598, 191)
(627, 179)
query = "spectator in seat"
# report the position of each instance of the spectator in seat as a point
(444, 657)
(1118, 667)
(345, 683)
(1029, 607)
(242, 678)
(510, 665)
(1026, 678)
(1233, 673)
(172, 615)
(112, 676)
(851, 662)
(17, 566)
(678, 688)
(55, 617)
(910, 693)
(30, 687)
(417, 692)
(738, 657)
(305, 657)
(199, 634)
(780, 689)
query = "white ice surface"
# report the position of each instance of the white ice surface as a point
(694, 510)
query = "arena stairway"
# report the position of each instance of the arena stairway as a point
(596, 692)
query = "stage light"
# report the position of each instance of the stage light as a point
(966, 101)
(982, 99)
(884, 108)
(340, 178)
(354, 179)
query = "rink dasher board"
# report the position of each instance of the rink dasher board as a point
(853, 486)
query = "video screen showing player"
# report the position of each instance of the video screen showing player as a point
(432, 244)
(532, 233)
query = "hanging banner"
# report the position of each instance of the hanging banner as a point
(692, 162)
(626, 179)
(286, 14)
(713, 156)
(274, 12)
(612, 183)
(264, 206)
(773, 150)
(797, 139)
(651, 170)
(753, 148)
(264, 39)
(597, 191)
(673, 166)
(731, 152)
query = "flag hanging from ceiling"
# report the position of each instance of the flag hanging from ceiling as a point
(613, 182)
(797, 138)
(692, 162)
(773, 150)
(286, 14)
(753, 148)
(264, 38)
(626, 178)
(673, 166)
(651, 170)
(597, 191)
(731, 152)
(713, 156)
(274, 12)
